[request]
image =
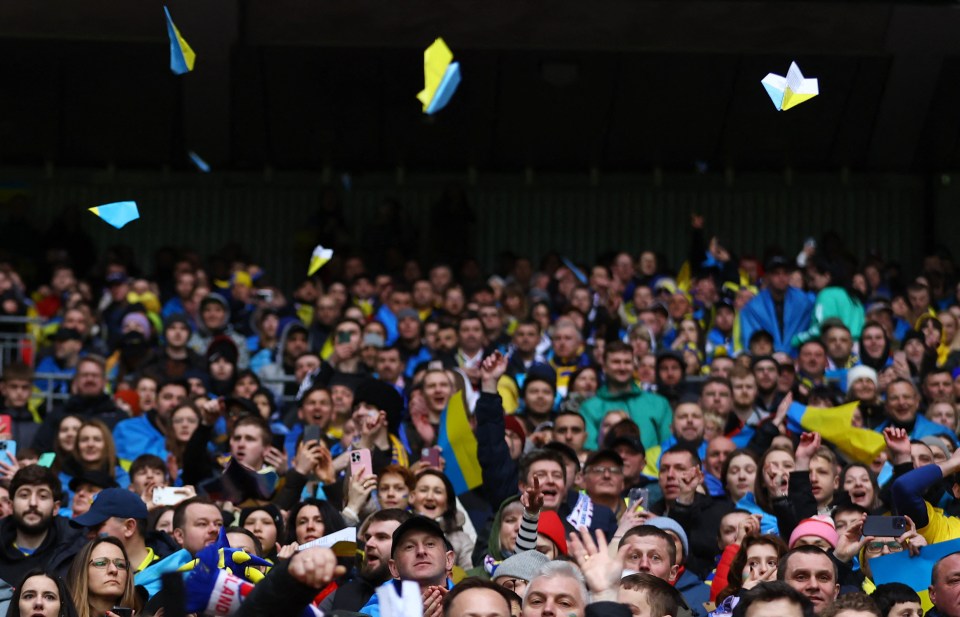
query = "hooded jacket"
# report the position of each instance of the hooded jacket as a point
(202, 336)
(650, 411)
(274, 372)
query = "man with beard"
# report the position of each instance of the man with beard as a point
(766, 370)
(34, 536)
(377, 535)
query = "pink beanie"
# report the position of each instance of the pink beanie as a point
(820, 525)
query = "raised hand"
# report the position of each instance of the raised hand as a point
(898, 442)
(911, 539)
(850, 542)
(600, 569)
(748, 527)
(491, 370)
(809, 442)
(531, 498)
(780, 417)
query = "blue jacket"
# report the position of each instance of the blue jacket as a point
(760, 314)
(385, 316)
(137, 436)
(694, 591)
(924, 428)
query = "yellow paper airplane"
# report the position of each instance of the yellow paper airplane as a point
(790, 91)
(441, 76)
(319, 259)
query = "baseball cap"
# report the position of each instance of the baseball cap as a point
(633, 443)
(418, 523)
(778, 261)
(112, 502)
(67, 334)
(604, 455)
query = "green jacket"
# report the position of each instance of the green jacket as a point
(833, 302)
(650, 411)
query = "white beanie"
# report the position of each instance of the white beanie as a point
(860, 372)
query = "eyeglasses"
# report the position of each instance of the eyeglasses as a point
(877, 547)
(600, 470)
(512, 583)
(103, 562)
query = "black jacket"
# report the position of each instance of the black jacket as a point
(55, 554)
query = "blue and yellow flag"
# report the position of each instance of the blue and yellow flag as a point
(181, 56)
(835, 424)
(459, 446)
(915, 572)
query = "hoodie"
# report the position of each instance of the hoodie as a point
(274, 372)
(54, 554)
(650, 411)
(202, 336)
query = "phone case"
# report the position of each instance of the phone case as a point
(885, 526)
(360, 459)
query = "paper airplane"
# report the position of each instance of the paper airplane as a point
(407, 602)
(790, 91)
(181, 56)
(319, 259)
(201, 164)
(117, 214)
(343, 543)
(441, 76)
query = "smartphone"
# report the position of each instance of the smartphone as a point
(6, 425)
(168, 495)
(360, 460)
(431, 456)
(885, 526)
(8, 446)
(343, 337)
(638, 498)
(46, 459)
(278, 441)
(264, 294)
(311, 433)
(120, 611)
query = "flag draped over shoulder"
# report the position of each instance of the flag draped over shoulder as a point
(835, 424)
(914, 572)
(459, 446)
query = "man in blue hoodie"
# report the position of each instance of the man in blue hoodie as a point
(779, 309)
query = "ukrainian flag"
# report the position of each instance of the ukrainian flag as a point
(835, 424)
(459, 446)
(915, 572)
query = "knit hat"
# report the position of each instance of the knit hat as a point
(138, 319)
(523, 565)
(859, 372)
(176, 318)
(551, 526)
(512, 424)
(542, 373)
(222, 347)
(820, 525)
(383, 396)
(668, 524)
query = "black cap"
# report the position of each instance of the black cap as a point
(724, 302)
(604, 455)
(67, 334)
(778, 261)
(633, 443)
(115, 278)
(418, 523)
(89, 476)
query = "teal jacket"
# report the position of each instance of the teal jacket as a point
(833, 302)
(650, 411)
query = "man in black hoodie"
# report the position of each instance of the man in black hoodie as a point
(34, 536)
(89, 402)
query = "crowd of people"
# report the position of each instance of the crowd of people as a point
(199, 440)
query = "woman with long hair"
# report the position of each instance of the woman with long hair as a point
(39, 594)
(65, 440)
(184, 421)
(755, 561)
(311, 519)
(739, 475)
(94, 450)
(101, 578)
(433, 496)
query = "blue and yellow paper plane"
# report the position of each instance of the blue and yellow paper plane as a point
(441, 76)
(117, 214)
(181, 56)
(790, 91)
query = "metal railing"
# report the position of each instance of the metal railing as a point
(18, 342)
